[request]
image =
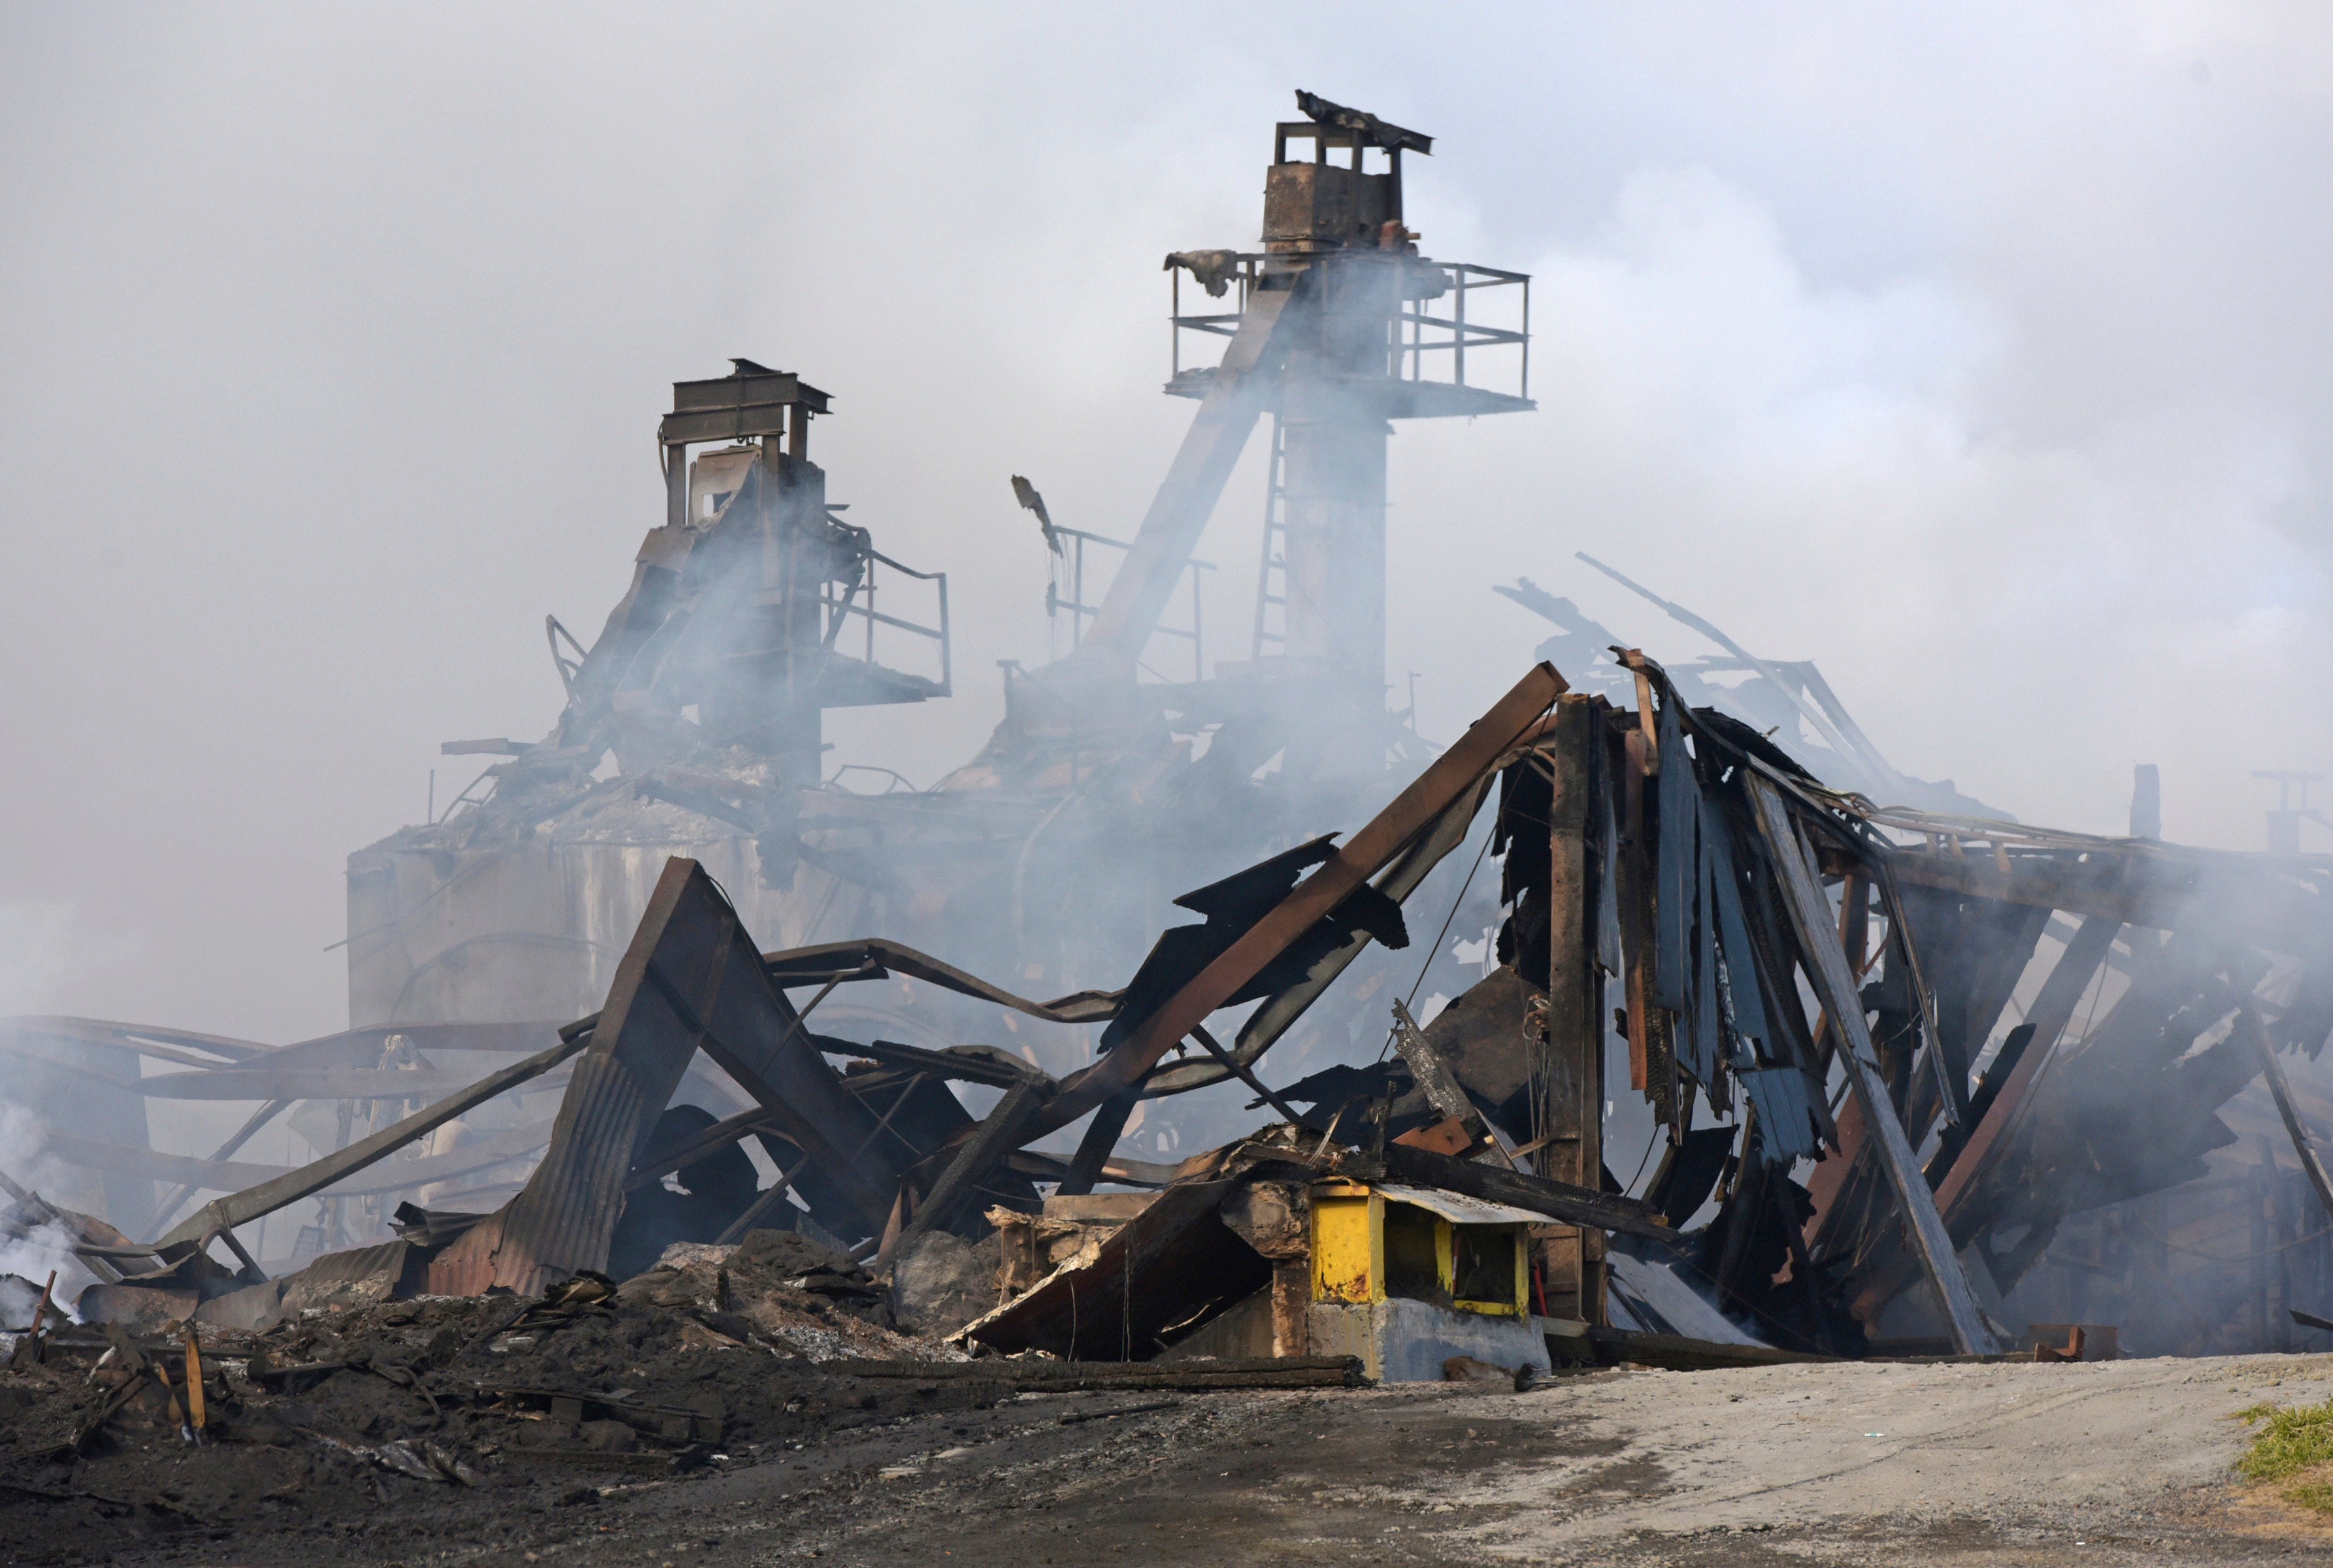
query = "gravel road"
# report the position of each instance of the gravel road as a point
(2112, 1463)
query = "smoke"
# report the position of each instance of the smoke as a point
(41, 942)
(43, 1247)
(1974, 356)
(38, 947)
(1829, 471)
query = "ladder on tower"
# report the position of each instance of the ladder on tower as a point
(1272, 572)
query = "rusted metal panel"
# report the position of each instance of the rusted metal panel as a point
(564, 1217)
(466, 1267)
(690, 980)
(1324, 204)
(737, 407)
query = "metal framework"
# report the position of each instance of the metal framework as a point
(1415, 332)
(1073, 604)
(840, 607)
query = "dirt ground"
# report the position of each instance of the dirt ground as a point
(2096, 1464)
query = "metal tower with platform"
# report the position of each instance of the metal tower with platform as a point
(1337, 326)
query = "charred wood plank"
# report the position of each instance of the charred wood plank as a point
(1570, 1116)
(1635, 895)
(1281, 1010)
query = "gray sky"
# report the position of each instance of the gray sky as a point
(1976, 352)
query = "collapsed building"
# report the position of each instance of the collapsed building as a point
(1916, 1075)
(1808, 987)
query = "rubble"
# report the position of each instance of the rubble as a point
(940, 1282)
(734, 1352)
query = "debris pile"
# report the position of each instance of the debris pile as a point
(730, 1353)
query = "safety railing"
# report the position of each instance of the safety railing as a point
(1440, 340)
(842, 602)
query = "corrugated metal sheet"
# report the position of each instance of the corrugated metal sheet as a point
(691, 980)
(567, 1212)
(468, 1266)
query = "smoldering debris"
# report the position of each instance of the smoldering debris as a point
(330, 1412)
(1448, 1209)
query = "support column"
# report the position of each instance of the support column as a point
(794, 574)
(1333, 485)
(1571, 1077)
(676, 484)
(1291, 1300)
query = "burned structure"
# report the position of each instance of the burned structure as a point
(1811, 990)
(753, 606)
(1895, 1052)
(693, 721)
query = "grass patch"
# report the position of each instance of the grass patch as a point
(2295, 1448)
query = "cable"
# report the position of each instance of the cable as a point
(1434, 951)
(1647, 1160)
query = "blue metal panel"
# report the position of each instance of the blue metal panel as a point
(1675, 871)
